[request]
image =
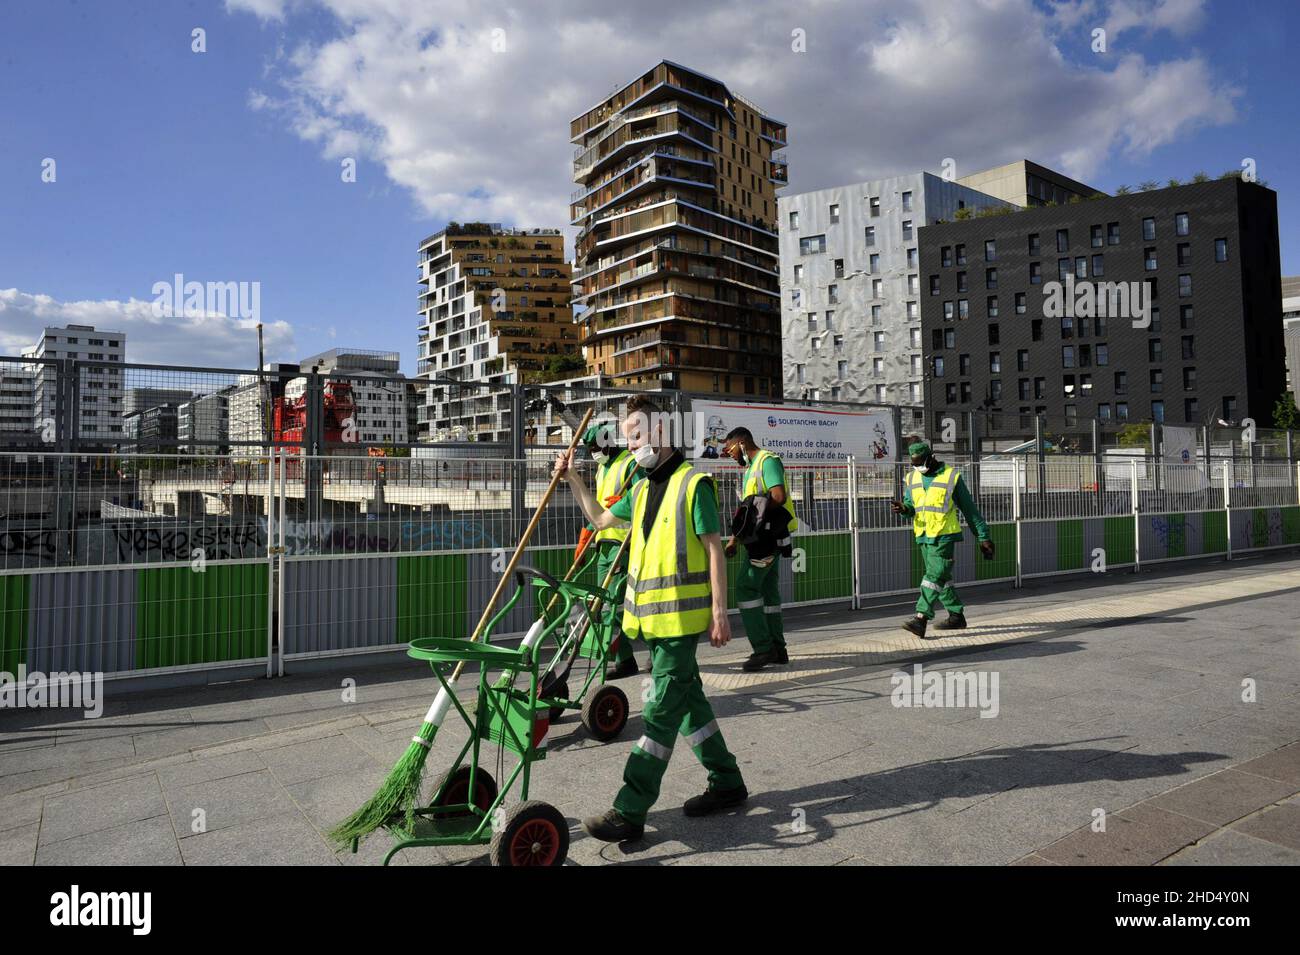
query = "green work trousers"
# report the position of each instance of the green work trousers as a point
(936, 582)
(758, 597)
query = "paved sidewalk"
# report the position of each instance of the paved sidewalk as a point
(1119, 703)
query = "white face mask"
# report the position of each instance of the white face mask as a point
(919, 469)
(645, 456)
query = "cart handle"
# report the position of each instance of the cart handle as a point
(523, 569)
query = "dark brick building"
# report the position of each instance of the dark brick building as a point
(996, 346)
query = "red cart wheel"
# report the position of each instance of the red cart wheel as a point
(534, 834)
(605, 712)
(455, 792)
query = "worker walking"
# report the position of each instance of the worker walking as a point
(616, 473)
(676, 591)
(935, 493)
(758, 588)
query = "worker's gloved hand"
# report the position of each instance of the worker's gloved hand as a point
(986, 548)
(896, 507)
(730, 549)
(584, 538)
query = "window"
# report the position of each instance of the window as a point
(912, 311)
(950, 394)
(878, 341)
(995, 362)
(799, 373)
(1155, 320)
(1185, 286)
(1020, 303)
(798, 273)
(1071, 415)
(990, 250)
(907, 230)
(877, 288)
(1067, 356)
(1097, 239)
(1185, 316)
(945, 256)
(916, 338)
(1035, 273)
(1148, 229)
(839, 344)
(877, 311)
(1121, 382)
(1189, 379)
(994, 337)
(796, 297)
(949, 312)
(873, 262)
(1022, 359)
(1040, 387)
(830, 316)
(1103, 353)
(1067, 326)
(961, 282)
(812, 321)
(1085, 356)
(1184, 253)
(1191, 409)
(812, 244)
(1121, 411)
(913, 260)
(992, 306)
(1112, 233)
(1157, 380)
(839, 268)
(1157, 411)
(878, 367)
(963, 309)
(1181, 223)
(870, 234)
(1097, 266)
(1062, 240)
(1155, 352)
(1036, 329)
(1149, 258)
(1221, 250)
(1022, 389)
(915, 364)
(833, 294)
(1033, 243)
(990, 278)
(874, 205)
(835, 212)
(1103, 412)
(842, 369)
(907, 202)
(1081, 267)
(1189, 347)
(794, 220)
(961, 255)
(1085, 384)
(965, 392)
(1063, 268)
(963, 365)
(949, 338)
(934, 285)
(938, 366)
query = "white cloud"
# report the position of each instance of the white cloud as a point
(208, 338)
(415, 90)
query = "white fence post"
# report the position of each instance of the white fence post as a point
(1227, 507)
(854, 554)
(270, 562)
(279, 586)
(1137, 521)
(1016, 513)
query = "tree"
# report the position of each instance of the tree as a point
(963, 213)
(1174, 182)
(1285, 413)
(1134, 435)
(1201, 177)
(1148, 185)
(1123, 190)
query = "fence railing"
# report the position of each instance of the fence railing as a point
(149, 563)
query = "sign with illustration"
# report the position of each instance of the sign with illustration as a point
(797, 432)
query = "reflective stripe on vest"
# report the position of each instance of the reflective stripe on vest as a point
(754, 484)
(936, 511)
(668, 593)
(610, 480)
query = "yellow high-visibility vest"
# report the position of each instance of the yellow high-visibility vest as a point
(936, 512)
(610, 480)
(668, 593)
(754, 484)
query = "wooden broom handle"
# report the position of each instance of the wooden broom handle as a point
(523, 541)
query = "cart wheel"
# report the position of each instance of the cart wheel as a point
(561, 690)
(456, 792)
(535, 833)
(605, 712)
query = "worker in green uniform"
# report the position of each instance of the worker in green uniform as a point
(935, 493)
(758, 588)
(616, 473)
(676, 591)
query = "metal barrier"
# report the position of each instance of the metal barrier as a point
(154, 563)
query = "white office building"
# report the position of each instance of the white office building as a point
(203, 423)
(100, 405)
(379, 392)
(851, 286)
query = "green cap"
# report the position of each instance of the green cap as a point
(917, 448)
(599, 435)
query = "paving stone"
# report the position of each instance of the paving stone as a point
(97, 808)
(1223, 797)
(1280, 824)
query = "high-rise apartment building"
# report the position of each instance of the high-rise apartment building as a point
(494, 311)
(100, 404)
(676, 263)
(1291, 332)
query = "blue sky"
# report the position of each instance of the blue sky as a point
(225, 165)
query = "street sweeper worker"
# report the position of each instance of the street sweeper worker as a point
(935, 493)
(758, 588)
(676, 591)
(616, 473)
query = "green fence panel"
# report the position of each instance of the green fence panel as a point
(432, 597)
(14, 597)
(185, 617)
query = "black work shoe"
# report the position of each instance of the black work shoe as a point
(782, 655)
(757, 661)
(915, 625)
(612, 827)
(624, 669)
(713, 800)
(955, 621)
